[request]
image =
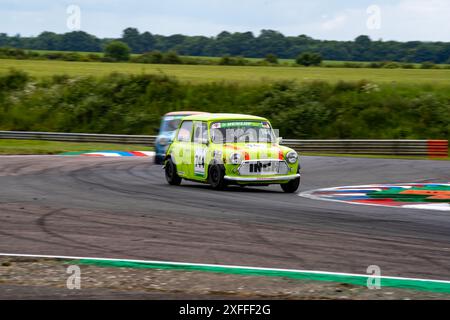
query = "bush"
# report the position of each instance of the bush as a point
(271, 58)
(428, 65)
(353, 65)
(226, 61)
(149, 57)
(233, 61)
(133, 104)
(94, 57)
(391, 65)
(108, 59)
(408, 66)
(171, 57)
(72, 56)
(13, 80)
(198, 61)
(343, 86)
(60, 79)
(240, 61)
(117, 51)
(156, 57)
(14, 53)
(309, 59)
(53, 55)
(375, 65)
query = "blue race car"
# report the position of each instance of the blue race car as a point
(169, 126)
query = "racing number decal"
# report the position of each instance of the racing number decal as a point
(199, 161)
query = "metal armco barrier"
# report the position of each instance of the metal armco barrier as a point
(427, 148)
(78, 137)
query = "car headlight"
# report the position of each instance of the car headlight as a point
(163, 141)
(235, 158)
(292, 157)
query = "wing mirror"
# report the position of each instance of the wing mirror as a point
(280, 140)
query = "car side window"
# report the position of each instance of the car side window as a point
(205, 131)
(200, 132)
(185, 132)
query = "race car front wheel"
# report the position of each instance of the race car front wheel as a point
(292, 186)
(172, 176)
(216, 176)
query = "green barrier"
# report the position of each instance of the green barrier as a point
(358, 280)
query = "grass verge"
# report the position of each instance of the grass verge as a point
(358, 280)
(31, 147)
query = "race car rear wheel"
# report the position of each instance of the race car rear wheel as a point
(216, 176)
(292, 186)
(172, 176)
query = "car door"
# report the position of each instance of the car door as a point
(200, 149)
(182, 150)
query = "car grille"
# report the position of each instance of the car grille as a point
(263, 167)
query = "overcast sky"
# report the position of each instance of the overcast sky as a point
(323, 19)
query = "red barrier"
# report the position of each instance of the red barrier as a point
(438, 148)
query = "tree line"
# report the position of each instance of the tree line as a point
(244, 44)
(118, 51)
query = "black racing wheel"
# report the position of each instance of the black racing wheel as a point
(172, 176)
(292, 186)
(216, 176)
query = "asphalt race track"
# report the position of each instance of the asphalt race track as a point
(123, 208)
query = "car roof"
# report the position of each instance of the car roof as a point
(223, 116)
(184, 113)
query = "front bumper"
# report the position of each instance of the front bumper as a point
(159, 158)
(263, 179)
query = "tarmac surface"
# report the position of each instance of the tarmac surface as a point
(123, 208)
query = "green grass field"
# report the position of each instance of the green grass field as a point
(199, 73)
(29, 147)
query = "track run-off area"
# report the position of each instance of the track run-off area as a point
(122, 208)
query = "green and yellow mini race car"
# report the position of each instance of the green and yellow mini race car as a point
(230, 149)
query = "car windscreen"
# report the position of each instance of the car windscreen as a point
(236, 131)
(171, 123)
